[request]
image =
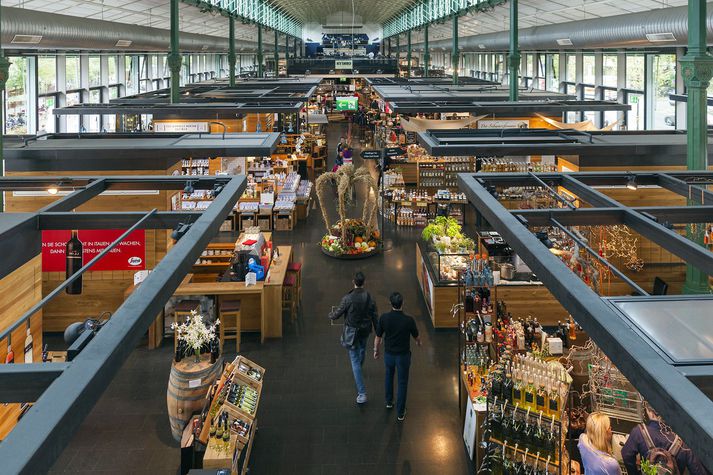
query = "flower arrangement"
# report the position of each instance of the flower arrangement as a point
(195, 333)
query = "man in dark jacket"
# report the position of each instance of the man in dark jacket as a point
(396, 329)
(359, 312)
(636, 445)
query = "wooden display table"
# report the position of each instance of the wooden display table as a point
(261, 304)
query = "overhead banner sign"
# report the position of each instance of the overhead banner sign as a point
(343, 64)
(129, 254)
(181, 127)
(394, 152)
(503, 124)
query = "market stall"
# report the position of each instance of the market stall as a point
(260, 302)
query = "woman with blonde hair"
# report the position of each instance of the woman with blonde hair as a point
(595, 447)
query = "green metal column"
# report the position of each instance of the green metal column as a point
(697, 70)
(231, 52)
(426, 52)
(4, 74)
(514, 55)
(408, 54)
(287, 48)
(277, 53)
(455, 54)
(398, 55)
(260, 70)
(174, 58)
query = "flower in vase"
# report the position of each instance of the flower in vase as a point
(194, 332)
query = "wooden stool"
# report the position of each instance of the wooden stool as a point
(182, 310)
(295, 268)
(289, 295)
(229, 309)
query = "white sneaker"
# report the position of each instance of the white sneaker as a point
(361, 398)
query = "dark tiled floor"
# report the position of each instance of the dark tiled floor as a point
(308, 419)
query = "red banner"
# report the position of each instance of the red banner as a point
(129, 254)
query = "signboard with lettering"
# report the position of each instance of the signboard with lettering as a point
(343, 64)
(181, 127)
(130, 254)
(371, 154)
(394, 151)
(503, 124)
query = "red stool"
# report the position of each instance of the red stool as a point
(295, 268)
(289, 295)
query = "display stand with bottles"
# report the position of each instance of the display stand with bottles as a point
(229, 420)
(525, 414)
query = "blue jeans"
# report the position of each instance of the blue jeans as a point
(399, 364)
(357, 358)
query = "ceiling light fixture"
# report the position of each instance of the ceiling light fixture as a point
(53, 189)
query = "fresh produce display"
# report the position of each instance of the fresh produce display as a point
(447, 236)
(357, 239)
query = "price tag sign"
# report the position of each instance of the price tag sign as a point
(194, 383)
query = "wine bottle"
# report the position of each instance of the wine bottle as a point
(74, 263)
(28, 347)
(554, 400)
(508, 387)
(179, 352)
(530, 393)
(10, 358)
(517, 388)
(542, 396)
(45, 353)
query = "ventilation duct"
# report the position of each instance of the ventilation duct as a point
(633, 30)
(64, 32)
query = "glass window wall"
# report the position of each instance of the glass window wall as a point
(46, 74)
(71, 74)
(663, 69)
(16, 97)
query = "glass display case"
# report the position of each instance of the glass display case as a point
(444, 267)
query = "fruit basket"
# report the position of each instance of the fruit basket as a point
(358, 242)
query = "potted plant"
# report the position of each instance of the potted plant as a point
(195, 334)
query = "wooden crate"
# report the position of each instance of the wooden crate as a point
(241, 362)
(264, 222)
(282, 221)
(247, 220)
(215, 458)
(240, 440)
(239, 378)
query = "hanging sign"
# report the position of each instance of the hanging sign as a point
(130, 254)
(343, 64)
(371, 154)
(181, 127)
(394, 152)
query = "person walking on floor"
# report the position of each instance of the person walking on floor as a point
(359, 312)
(396, 329)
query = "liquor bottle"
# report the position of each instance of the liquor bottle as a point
(214, 350)
(74, 263)
(28, 347)
(554, 400)
(10, 358)
(530, 392)
(179, 352)
(541, 398)
(45, 354)
(508, 387)
(517, 388)
(572, 330)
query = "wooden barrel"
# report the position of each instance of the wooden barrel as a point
(188, 386)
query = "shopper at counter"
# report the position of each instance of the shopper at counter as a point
(396, 329)
(655, 435)
(359, 312)
(595, 446)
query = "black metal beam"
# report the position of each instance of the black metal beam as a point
(77, 197)
(608, 216)
(673, 395)
(26, 382)
(115, 182)
(687, 190)
(115, 220)
(41, 435)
